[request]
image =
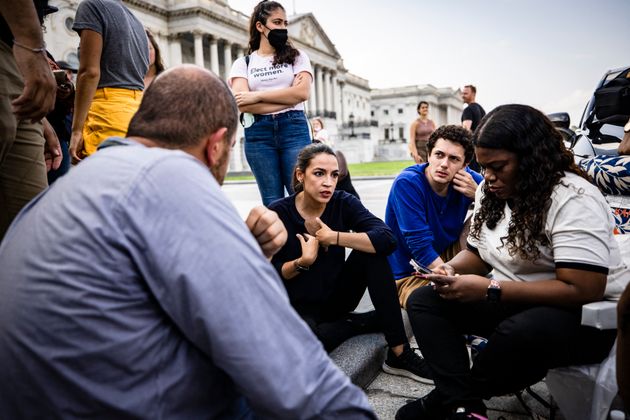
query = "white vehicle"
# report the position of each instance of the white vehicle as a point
(594, 143)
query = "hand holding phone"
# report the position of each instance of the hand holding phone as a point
(60, 76)
(419, 267)
(441, 280)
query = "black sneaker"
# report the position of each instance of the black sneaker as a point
(409, 365)
(425, 408)
(364, 322)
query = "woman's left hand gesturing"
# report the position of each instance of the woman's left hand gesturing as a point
(325, 235)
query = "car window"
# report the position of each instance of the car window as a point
(612, 75)
(612, 130)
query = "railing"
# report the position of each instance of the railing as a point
(361, 123)
(323, 114)
(392, 141)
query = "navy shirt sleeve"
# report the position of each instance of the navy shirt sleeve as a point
(467, 114)
(290, 250)
(359, 219)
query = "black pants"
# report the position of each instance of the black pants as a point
(623, 347)
(523, 343)
(331, 322)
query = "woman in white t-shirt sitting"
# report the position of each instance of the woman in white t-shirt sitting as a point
(271, 85)
(547, 234)
(320, 134)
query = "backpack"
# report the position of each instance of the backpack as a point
(241, 117)
(612, 100)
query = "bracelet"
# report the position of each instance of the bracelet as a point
(337, 238)
(298, 267)
(34, 50)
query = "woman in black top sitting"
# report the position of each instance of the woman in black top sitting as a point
(322, 285)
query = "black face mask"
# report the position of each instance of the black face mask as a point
(278, 38)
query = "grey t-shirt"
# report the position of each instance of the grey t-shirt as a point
(125, 56)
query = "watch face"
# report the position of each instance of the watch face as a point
(493, 294)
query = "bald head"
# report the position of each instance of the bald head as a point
(182, 106)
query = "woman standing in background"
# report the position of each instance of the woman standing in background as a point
(420, 131)
(156, 66)
(272, 83)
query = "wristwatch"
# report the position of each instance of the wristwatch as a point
(626, 128)
(493, 294)
(300, 268)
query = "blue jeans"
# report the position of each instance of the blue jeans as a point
(55, 174)
(272, 144)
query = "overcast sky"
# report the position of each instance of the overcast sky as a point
(544, 53)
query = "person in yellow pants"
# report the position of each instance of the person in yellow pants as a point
(109, 115)
(113, 61)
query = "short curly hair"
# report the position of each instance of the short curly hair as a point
(456, 134)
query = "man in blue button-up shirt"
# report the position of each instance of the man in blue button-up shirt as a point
(131, 288)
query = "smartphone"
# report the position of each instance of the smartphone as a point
(419, 267)
(60, 76)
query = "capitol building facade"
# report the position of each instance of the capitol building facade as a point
(365, 123)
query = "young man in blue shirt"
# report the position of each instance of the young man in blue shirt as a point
(427, 205)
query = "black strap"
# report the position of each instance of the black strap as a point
(240, 117)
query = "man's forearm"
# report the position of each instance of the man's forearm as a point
(21, 17)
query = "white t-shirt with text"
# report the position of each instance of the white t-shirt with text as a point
(262, 75)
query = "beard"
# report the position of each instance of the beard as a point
(219, 170)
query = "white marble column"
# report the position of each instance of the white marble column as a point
(453, 115)
(319, 84)
(214, 56)
(328, 86)
(175, 48)
(325, 87)
(335, 95)
(227, 54)
(312, 101)
(165, 49)
(342, 111)
(198, 48)
(311, 106)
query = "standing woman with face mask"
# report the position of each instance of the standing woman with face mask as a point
(272, 85)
